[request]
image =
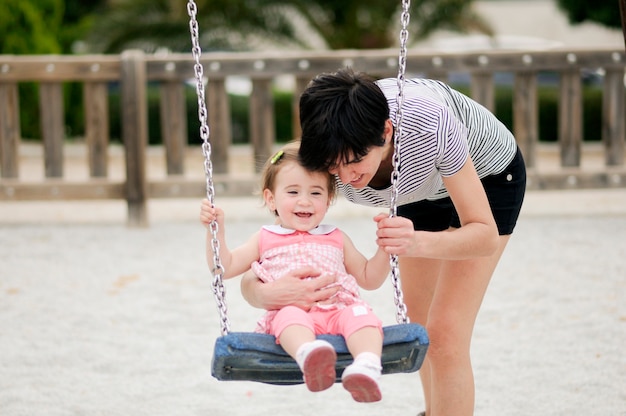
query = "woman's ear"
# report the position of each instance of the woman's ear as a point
(388, 131)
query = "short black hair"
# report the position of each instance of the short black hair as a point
(342, 115)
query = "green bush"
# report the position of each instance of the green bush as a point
(239, 107)
(240, 123)
(548, 97)
(29, 110)
(74, 117)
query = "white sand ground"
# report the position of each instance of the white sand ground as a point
(100, 319)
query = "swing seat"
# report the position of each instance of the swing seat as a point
(249, 356)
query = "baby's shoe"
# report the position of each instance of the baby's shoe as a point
(317, 360)
(361, 378)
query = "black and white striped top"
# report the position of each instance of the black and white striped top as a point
(440, 127)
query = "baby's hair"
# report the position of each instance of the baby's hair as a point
(289, 153)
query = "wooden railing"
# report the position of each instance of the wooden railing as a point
(134, 70)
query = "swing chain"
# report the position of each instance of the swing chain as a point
(401, 310)
(217, 284)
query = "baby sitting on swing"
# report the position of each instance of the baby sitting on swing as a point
(300, 199)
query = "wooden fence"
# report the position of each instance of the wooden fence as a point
(133, 71)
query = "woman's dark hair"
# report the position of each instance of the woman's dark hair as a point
(342, 115)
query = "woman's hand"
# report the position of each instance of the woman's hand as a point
(302, 288)
(395, 235)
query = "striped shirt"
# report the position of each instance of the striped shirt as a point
(440, 128)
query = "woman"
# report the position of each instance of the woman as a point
(460, 190)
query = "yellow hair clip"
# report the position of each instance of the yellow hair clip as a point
(277, 157)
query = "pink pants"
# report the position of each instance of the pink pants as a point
(336, 321)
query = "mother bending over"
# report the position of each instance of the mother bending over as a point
(460, 190)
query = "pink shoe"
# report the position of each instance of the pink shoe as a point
(361, 380)
(318, 367)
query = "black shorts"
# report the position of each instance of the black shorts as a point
(505, 192)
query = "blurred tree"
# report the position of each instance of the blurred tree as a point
(244, 24)
(364, 24)
(36, 27)
(30, 26)
(153, 24)
(78, 17)
(44, 26)
(605, 12)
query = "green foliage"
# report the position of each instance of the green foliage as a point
(30, 26)
(45, 26)
(548, 96)
(245, 24)
(54, 26)
(224, 25)
(30, 125)
(78, 19)
(605, 12)
(29, 110)
(239, 108)
(548, 101)
(37, 27)
(240, 127)
(549, 110)
(284, 113)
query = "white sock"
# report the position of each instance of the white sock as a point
(370, 359)
(302, 352)
(306, 348)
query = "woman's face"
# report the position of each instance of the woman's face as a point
(359, 172)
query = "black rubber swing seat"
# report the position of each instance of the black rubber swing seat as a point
(249, 356)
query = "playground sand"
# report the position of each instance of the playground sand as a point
(100, 319)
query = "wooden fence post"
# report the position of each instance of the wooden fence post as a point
(301, 83)
(262, 129)
(173, 109)
(135, 134)
(526, 115)
(570, 118)
(219, 118)
(9, 130)
(613, 114)
(97, 127)
(52, 127)
(482, 89)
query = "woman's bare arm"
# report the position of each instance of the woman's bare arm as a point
(291, 289)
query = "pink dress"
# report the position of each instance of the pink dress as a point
(283, 250)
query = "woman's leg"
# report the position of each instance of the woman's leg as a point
(454, 298)
(419, 279)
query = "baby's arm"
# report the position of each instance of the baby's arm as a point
(234, 262)
(369, 274)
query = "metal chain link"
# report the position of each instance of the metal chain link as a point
(218, 271)
(401, 311)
